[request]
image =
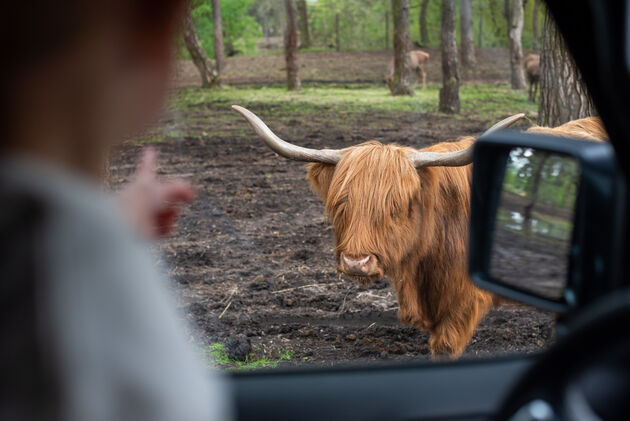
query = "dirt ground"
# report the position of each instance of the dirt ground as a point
(253, 256)
(341, 66)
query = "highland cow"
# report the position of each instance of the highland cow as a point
(403, 213)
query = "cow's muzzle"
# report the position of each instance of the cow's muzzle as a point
(360, 266)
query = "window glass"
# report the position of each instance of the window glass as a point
(356, 262)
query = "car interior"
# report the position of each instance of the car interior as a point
(585, 374)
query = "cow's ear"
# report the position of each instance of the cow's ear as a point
(320, 176)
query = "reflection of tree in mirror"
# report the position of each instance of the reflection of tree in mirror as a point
(534, 221)
(549, 178)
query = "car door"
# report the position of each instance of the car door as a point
(597, 35)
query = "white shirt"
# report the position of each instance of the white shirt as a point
(105, 315)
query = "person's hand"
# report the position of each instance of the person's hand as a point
(152, 205)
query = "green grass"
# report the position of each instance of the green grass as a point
(218, 355)
(171, 135)
(205, 114)
(479, 101)
(149, 139)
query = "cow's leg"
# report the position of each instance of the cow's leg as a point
(450, 336)
(531, 85)
(409, 310)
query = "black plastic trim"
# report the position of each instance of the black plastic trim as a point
(596, 230)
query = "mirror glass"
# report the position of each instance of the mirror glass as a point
(534, 221)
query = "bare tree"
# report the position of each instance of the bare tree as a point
(217, 25)
(507, 13)
(209, 76)
(466, 30)
(517, 78)
(290, 47)
(305, 37)
(541, 159)
(449, 93)
(535, 26)
(387, 30)
(401, 83)
(337, 37)
(422, 22)
(480, 12)
(563, 94)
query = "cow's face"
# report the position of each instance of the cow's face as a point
(372, 196)
(372, 199)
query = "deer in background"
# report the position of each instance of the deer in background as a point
(532, 72)
(416, 60)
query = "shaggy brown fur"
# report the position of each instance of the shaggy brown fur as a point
(416, 60)
(415, 222)
(532, 71)
(589, 128)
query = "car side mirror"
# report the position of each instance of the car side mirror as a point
(545, 219)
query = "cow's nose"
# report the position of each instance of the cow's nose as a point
(359, 265)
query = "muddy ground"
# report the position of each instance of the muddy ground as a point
(253, 256)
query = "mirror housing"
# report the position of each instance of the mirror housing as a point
(595, 247)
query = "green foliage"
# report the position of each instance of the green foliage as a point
(241, 32)
(217, 354)
(362, 23)
(434, 15)
(558, 177)
(495, 25)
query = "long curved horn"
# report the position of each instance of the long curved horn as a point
(457, 158)
(286, 149)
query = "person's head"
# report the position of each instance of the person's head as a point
(81, 74)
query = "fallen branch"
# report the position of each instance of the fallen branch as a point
(229, 297)
(304, 286)
(225, 309)
(343, 304)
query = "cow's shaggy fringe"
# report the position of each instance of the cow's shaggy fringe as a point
(415, 222)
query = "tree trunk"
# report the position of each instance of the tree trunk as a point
(535, 27)
(507, 13)
(401, 83)
(304, 34)
(449, 93)
(563, 94)
(517, 78)
(217, 25)
(337, 37)
(209, 76)
(279, 25)
(533, 198)
(480, 32)
(467, 42)
(387, 30)
(290, 47)
(422, 21)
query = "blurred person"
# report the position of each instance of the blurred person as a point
(88, 330)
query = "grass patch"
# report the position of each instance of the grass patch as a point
(217, 354)
(206, 115)
(479, 101)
